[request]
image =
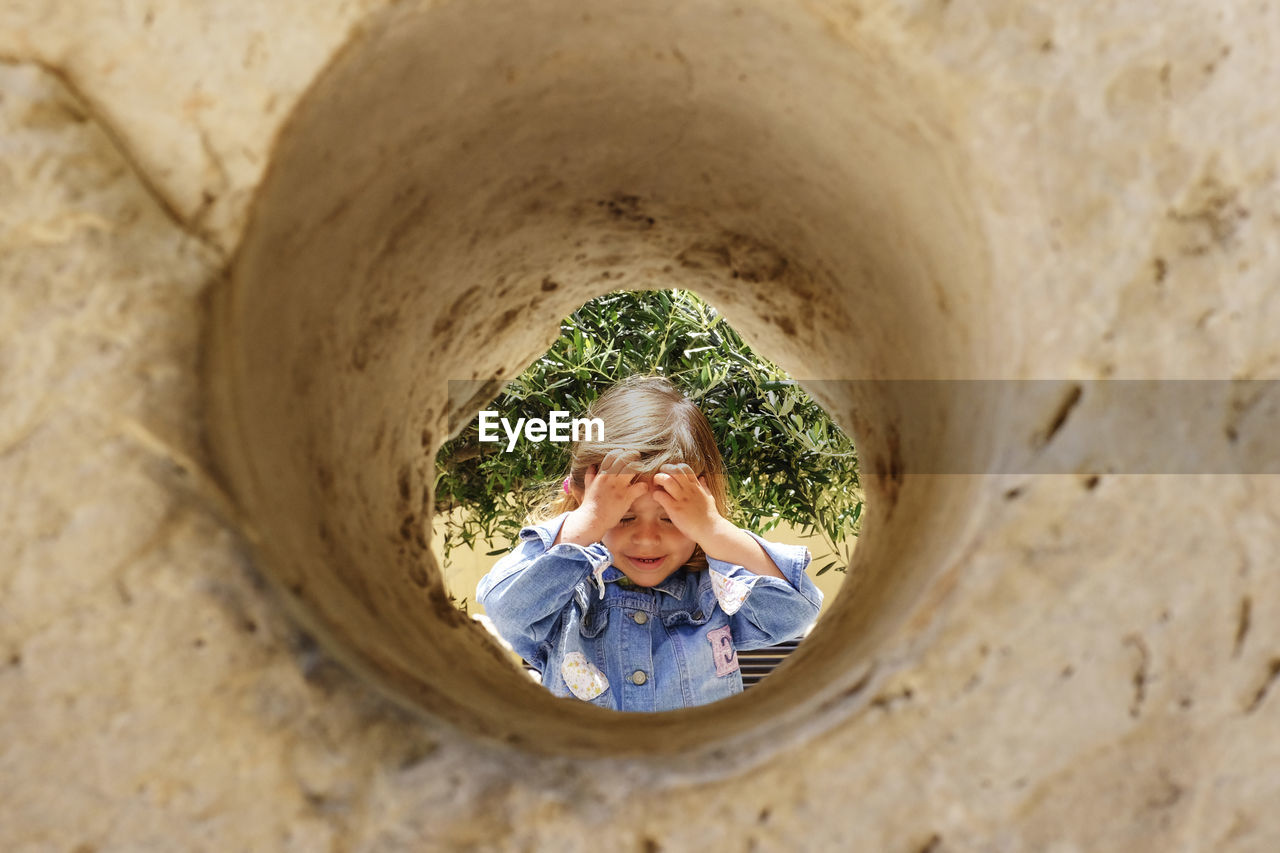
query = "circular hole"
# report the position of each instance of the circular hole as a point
(464, 176)
(791, 474)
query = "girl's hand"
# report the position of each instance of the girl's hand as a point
(689, 502)
(692, 508)
(608, 494)
(613, 487)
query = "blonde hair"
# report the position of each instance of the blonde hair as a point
(649, 415)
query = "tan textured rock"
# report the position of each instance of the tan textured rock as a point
(1082, 661)
(192, 94)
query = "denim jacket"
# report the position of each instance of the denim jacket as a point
(629, 648)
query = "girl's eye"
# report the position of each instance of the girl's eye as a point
(627, 520)
(667, 520)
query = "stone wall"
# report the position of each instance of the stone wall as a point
(219, 626)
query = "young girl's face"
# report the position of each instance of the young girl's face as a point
(646, 546)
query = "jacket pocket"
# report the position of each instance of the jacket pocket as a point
(582, 677)
(685, 616)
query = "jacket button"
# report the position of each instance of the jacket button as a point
(638, 677)
(640, 616)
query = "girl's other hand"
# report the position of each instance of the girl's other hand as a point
(692, 508)
(688, 501)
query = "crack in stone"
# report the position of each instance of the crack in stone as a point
(1068, 404)
(191, 477)
(1140, 674)
(117, 143)
(208, 198)
(1242, 626)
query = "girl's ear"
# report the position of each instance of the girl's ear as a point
(579, 491)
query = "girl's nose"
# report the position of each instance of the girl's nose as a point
(647, 532)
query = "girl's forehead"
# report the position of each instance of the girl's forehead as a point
(646, 503)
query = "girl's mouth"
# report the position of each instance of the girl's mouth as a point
(646, 562)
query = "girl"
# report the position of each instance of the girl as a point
(638, 593)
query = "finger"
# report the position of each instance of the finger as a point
(629, 467)
(683, 475)
(628, 462)
(667, 483)
(617, 460)
(606, 464)
(706, 490)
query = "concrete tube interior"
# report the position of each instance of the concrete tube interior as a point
(464, 175)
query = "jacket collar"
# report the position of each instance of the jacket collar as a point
(673, 585)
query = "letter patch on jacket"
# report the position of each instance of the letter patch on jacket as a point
(582, 677)
(726, 656)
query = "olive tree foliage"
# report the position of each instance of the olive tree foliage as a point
(785, 458)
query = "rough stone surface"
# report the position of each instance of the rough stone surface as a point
(1102, 675)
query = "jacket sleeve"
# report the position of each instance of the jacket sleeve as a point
(763, 610)
(527, 591)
